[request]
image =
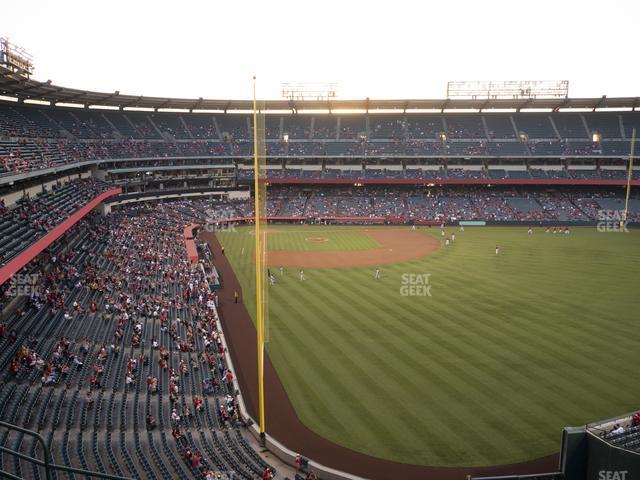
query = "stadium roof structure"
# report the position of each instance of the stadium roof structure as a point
(23, 89)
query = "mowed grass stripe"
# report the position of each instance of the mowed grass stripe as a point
(342, 392)
(497, 381)
(505, 326)
(371, 390)
(410, 358)
(587, 325)
(496, 420)
(311, 392)
(546, 337)
(586, 372)
(392, 378)
(577, 337)
(338, 312)
(365, 389)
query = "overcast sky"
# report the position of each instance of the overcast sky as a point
(376, 49)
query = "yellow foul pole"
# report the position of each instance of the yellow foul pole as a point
(258, 258)
(629, 174)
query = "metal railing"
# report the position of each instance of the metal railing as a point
(535, 476)
(47, 463)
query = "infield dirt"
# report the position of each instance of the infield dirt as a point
(395, 245)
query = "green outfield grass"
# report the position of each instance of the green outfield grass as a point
(506, 351)
(303, 239)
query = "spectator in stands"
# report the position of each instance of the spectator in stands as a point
(151, 422)
(175, 417)
(195, 460)
(179, 437)
(94, 381)
(186, 454)
(228, 377)
(89, 399)
(206, 386)
(617, 430)
(77, 362)
(84, 346)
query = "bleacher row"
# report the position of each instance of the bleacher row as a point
(408, 204)
(37, 137)
(16, 155)
(373, 172)
(113, 299)
(485, 204)
(629, 439)
(44, 122)
(31, 217)
(23, 223)
(23, 156)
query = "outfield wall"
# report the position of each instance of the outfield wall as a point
(608, 462)
(398, 221)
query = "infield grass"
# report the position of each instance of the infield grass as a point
(302, 239)
(506, 351)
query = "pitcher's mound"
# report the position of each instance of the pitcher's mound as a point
(316, 239)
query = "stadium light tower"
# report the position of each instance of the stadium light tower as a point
(309, 90)
(508, 89)
(15, 58)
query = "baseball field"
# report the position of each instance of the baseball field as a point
(455, 355)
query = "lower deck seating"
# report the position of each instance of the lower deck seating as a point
(116, 357)
(22, 224)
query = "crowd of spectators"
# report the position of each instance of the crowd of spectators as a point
(40, 138)
(625, 433)
(407, 204)
(55, 204)
(356, 172)
(130, 275)
(32, 216)
(23, 155)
